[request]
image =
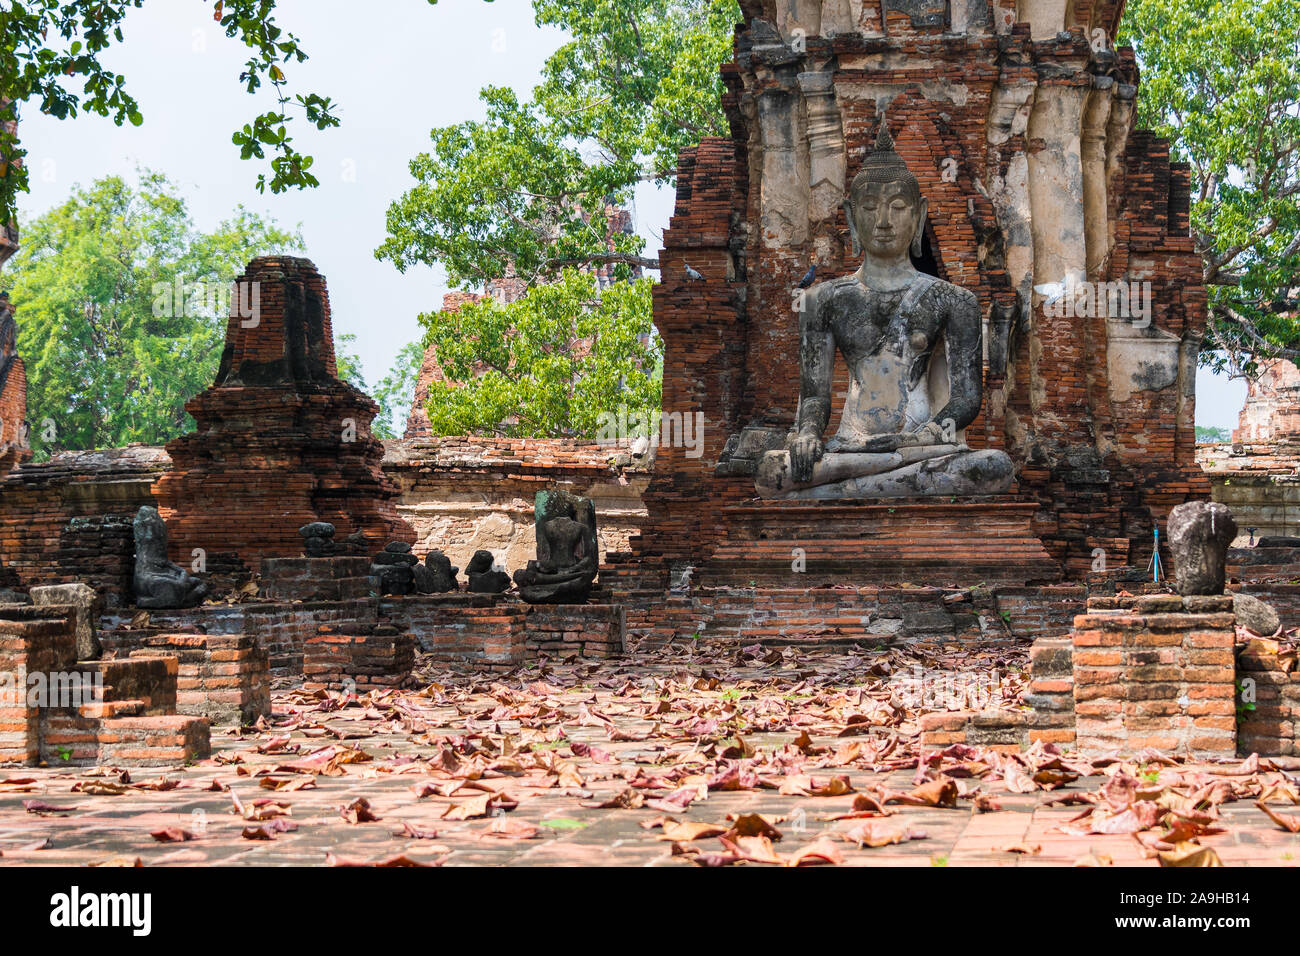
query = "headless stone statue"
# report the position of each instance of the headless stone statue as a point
(567, 551)
(159, 583)
(1200, 533)
(318, 539)
(393, 568)
(912, 343)
(483, 576)
(437, 575)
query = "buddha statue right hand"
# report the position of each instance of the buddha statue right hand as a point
(805, 451)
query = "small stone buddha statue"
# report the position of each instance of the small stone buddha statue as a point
(568, 554)
(158, 582)
(912, 343)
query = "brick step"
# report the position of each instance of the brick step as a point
(107, 709)
(150, 681)
(149, 740)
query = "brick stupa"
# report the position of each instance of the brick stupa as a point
(281, 440)
(1272, 409)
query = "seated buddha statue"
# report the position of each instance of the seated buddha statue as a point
(158, 582)
(912, 343)
(568, 553)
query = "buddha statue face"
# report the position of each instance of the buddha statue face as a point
(885, 210)
(887, 217)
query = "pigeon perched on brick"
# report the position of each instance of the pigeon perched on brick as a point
(692, 273)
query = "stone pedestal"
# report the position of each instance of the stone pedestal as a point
(587, 630)
(316, 579)
(919, 541)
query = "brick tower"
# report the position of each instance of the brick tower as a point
(280, 440)
(1017, 118)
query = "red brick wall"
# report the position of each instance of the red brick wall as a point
(69, 519)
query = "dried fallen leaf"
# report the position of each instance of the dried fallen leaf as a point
(1028, 849)
(876, 834)
(1190, 854)
(409, 830)
(1288, 822)
(754, 849)
(480, 806)
(358, 811)
(816, 853)
(752, 824)
(626, 799)
(941, 792)
(172, 835)
(689, 830)
(39, 806)
(399, 860)
(504, 828)
(100, 788)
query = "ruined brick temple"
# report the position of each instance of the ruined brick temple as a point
(1017, 122)
(1020, 129)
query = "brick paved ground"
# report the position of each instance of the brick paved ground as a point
(733, 732)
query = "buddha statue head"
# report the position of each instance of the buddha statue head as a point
(884, 208)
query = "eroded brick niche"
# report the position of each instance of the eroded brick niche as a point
(1020, 128)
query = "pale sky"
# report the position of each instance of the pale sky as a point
(397, 68)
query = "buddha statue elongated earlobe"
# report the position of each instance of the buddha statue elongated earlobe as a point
(853, 227)
(917, 236)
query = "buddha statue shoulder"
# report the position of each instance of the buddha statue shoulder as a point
(912, 344)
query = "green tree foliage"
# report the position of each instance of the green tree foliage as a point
(1221, 80)
(50, 54)
(112, 352)
(549, 364)
(394, 392)
(347, 363)
(525, 187)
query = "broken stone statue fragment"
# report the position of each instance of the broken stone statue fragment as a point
(318, 539)
(392, 569)
(88, 606)
(1199, 535)
(436, 575)
(483, 577)
(1255, 615)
